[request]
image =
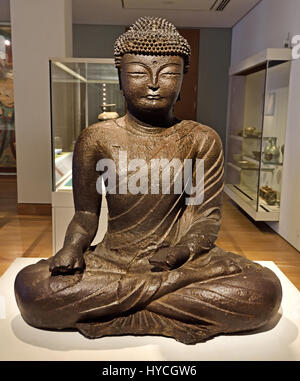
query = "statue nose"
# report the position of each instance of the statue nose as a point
(153, 86)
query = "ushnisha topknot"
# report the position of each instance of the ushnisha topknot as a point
(152, 36)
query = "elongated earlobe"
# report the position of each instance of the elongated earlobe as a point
(178, 99)
(120, 81)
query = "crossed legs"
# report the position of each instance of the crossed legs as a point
(240, 296)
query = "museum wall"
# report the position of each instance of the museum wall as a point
(95, 41)
(32, 46)
(214, 60)
(4, 11)
(267, 26)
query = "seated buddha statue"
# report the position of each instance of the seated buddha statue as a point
(157, 270)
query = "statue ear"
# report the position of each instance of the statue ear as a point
(120, 81)
(178, 99)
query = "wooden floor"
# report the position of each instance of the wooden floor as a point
(31, 236)
(20, 235)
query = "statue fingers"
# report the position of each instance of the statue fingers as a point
(163, 259)
(79, 264)
(65, 262)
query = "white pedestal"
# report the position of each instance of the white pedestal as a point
(22, 342)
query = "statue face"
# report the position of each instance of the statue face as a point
(151, 83)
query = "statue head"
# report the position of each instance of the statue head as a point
(151, 58)
(152, 36)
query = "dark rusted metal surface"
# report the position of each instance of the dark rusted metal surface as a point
(157, 270)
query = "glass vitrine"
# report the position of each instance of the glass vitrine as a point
(256, 133)
(83, 92)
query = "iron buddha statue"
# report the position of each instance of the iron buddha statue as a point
(157, 271)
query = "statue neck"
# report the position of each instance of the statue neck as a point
(152, 120)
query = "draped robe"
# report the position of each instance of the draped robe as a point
(120, 292)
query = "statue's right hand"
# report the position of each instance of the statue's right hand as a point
(68, 260)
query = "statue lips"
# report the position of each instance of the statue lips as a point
(153, 97)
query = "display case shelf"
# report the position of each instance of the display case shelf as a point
(247, 167)
(241, 138)
(262, 212)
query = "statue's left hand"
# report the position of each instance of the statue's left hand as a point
(67, 261)
(169, 258)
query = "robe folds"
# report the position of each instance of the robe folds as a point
(120, 292)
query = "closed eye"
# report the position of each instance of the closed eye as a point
(136, 73)
(171, 74)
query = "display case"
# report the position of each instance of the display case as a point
(257, 118)
(83, 92)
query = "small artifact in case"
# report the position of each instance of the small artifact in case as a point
(268, 194)
(108, 112)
